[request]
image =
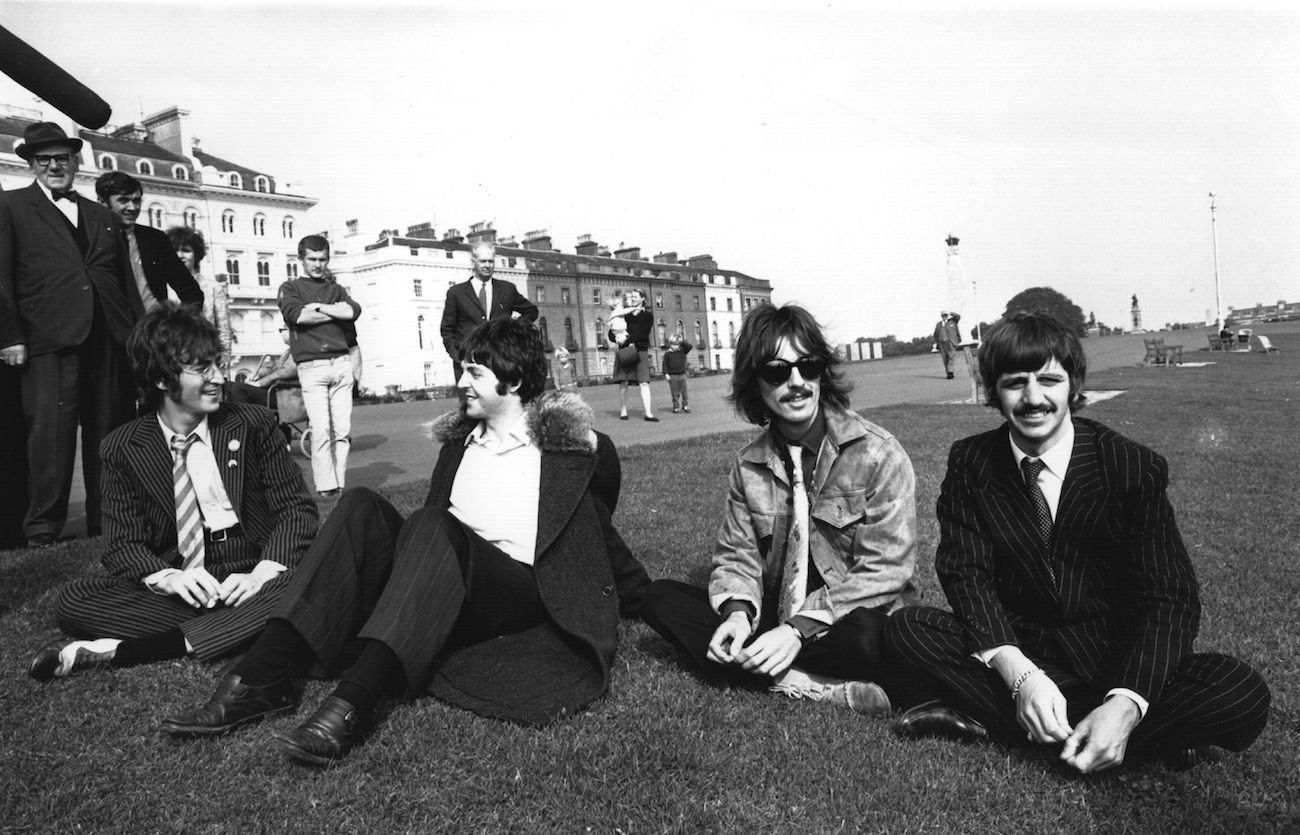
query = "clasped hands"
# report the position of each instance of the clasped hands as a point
(1100, 739)
(769, 654)
(200, 589)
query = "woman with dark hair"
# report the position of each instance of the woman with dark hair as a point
(191, 248)
(639, 321)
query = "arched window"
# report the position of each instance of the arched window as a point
(717, 335)
(568, 333)
(270, 327)
(107, 162)
(541, 327)
(236, 181)
(699, 333)
(228, 222)
(156, 215)
(145, 167)
(291, 268)
(663, 332)
(261, 183)
(259, 225)
(180, 172)
(600, 332)
(232, 268)
(286, 226)
(419, 330)
(731, 333)
(263, 272)
(681, 329)
(191, 217)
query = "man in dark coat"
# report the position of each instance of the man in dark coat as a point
(65, 311)
(1071, 588)
(479, 299)
(154, 265)
(501, 595)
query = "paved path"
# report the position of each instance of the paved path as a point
(390, 446)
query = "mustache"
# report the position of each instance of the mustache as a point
(1045, 408)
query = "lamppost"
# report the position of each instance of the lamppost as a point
(1218, 299)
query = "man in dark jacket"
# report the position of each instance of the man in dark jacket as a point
(499, 595)
(154, 265)
(478, 299)
(1071, 589)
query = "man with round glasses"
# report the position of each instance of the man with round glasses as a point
(67, 303)
(818, 540)
(205, 516)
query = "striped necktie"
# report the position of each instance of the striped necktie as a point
(189, 521)
(1031, 467)
(794, 573)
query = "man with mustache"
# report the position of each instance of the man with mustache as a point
(818, 541)
(1071, 589)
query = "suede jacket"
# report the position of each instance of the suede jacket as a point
(862, 536)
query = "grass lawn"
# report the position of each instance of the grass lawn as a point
(667, 752)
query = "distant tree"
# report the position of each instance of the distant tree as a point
(1050, 302)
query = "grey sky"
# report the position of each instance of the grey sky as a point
(828, 149)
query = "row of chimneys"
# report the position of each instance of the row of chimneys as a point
(540, 240)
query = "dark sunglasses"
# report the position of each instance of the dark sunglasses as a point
(776, 372)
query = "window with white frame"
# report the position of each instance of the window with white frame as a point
(228, 222)
(191, 217)
(107, 162)
(259, 225)
(232, 267)
(235, 180)
(180, 172)
(417, 288)
(264, 271)
(261, 184)
(291, 268)
(286, 226)
(155, 215)
(145, 167)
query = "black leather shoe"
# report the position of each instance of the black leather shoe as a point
(49, 663)
(1188, 758)
(41, 540)
(327, 737)
(234, 704)
(934, 718)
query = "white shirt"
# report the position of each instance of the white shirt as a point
(496, 490)
(475, 284)
(67, 207)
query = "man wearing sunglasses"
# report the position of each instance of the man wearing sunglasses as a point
(67, 303)
(205, 515)
(818, 540)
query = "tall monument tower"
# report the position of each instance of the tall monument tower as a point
(1136, 313)
(960, 292)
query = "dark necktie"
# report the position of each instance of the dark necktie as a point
(482, 298)
(1031, 467)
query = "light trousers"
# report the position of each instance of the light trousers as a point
(327, 396)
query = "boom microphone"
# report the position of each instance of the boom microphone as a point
(49, 81)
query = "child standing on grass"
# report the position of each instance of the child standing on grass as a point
(675, 372)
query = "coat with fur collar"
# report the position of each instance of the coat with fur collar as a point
(585, 574)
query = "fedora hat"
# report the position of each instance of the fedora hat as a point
(41, 135)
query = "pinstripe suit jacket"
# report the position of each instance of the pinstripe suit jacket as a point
(1126, 607)
(265, 487)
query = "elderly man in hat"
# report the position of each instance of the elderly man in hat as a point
(947, 339)
(66, 308)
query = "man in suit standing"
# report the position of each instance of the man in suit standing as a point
(946, 339)
(475, 301)
(154, 265)
(1071, 588)
(66, 307)
(501, 595)
(818, 542)
(205, 514)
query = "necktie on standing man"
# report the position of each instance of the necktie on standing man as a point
(189, 522)
(794, 573)
(1031, 467)
(483, 300)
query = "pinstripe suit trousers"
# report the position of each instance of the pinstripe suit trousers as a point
(1210, 699)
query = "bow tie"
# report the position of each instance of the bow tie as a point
(70, 196)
